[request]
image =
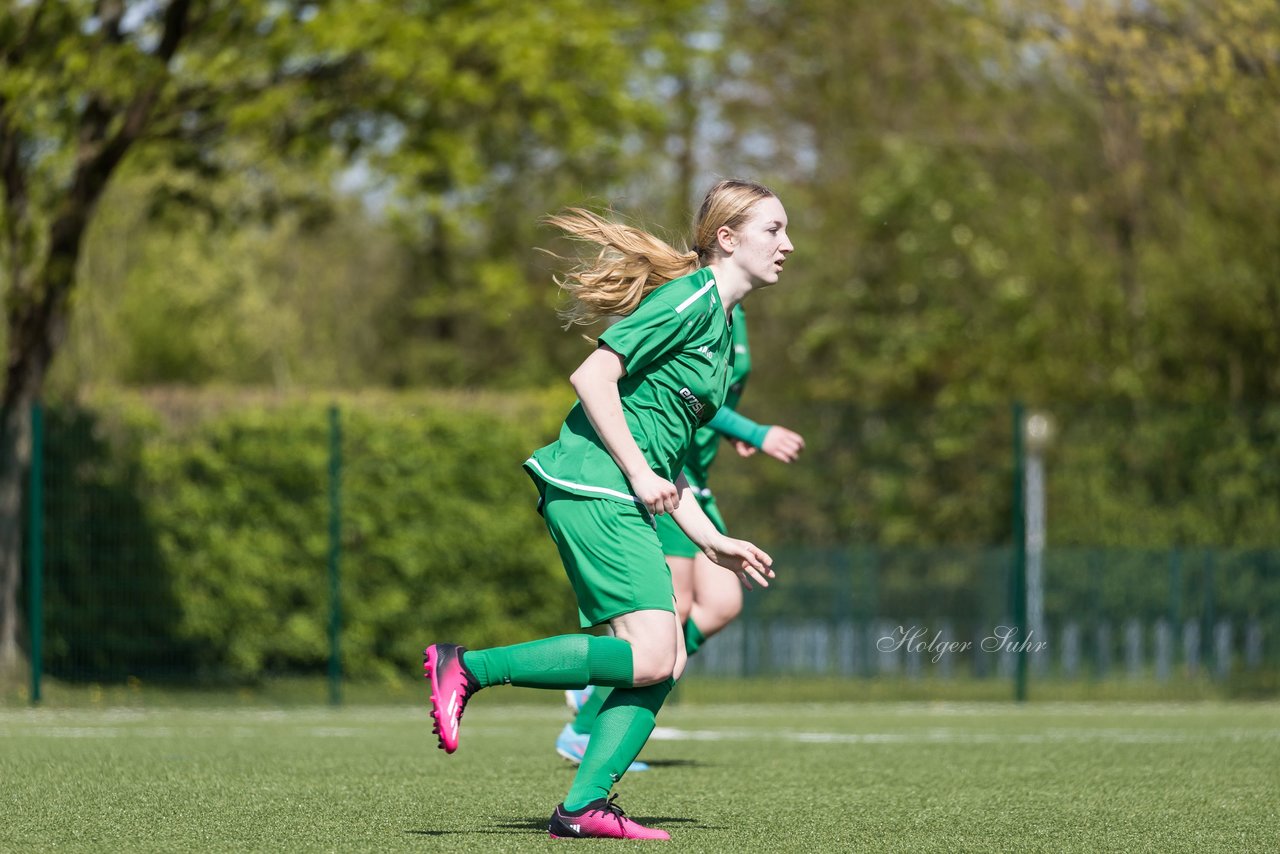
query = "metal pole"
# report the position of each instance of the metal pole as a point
(335, 551)
(35, 553)
(1035, 516)
(1018, 581)
(871, 609)
(1207, 615)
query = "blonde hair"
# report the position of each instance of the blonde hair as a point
(632, 263)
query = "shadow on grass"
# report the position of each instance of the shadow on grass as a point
(659, 763)
(540, 825)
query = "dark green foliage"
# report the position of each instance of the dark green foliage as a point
(108, 588)
(441, 538)
(1137, 477)
(199, 545)
(1175, 475)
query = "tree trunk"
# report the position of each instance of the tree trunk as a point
(36, 328)
(39, 289)
(15, 453)
(687, 163)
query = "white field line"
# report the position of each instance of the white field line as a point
(959, 724)
(952, 736)
(935, 736)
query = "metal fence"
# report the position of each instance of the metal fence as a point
(1159, 616)
(1158, 557)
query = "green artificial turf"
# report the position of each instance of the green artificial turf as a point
(869, 777)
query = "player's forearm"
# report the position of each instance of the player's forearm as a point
(691, 518)
(737, 426)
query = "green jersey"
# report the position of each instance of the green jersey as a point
(706, 442)
(677, 350)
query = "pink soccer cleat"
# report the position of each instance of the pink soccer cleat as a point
(451, 686)
(600, 819)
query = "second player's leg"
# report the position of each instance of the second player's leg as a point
(658, 656)
(682, 581)
(717, 596)
(627, 717)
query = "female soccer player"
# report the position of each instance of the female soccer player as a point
(707, 597)
(654, 378)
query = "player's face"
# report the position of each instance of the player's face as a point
(762, 245)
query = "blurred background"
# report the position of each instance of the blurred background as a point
(279, 335)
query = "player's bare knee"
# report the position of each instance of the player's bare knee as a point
(652, 667)
(653, 675)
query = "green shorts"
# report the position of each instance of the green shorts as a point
(610, 553)
(674, 541)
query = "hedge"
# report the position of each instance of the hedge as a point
(190, 533)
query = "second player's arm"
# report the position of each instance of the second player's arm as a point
(778, 442)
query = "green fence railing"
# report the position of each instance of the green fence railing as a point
(943, 613)
(217, 541)
(35, 553)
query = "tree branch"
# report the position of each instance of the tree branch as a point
(15, 192)
(14, 54)
(36, 326)
(176, 18)
(110, 12)
(93, 172)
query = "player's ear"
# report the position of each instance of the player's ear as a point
(727, 239)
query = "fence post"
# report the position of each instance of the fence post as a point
(335, 551)
(1208, 615)
(35, 551)
(1018, 581)
(871, 608)
(1098, 624)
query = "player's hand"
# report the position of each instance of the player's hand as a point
(658, 494)
(744, 449)
(742, 558)
(783, 444)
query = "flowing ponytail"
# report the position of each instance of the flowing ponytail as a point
(632, 263)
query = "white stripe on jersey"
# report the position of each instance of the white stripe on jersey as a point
(568, 483)
(708, 286)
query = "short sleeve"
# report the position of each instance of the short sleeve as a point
(646, 335)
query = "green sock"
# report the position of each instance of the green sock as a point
(567, 661)
(586, 718)
(621, 729)
(693, 637)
